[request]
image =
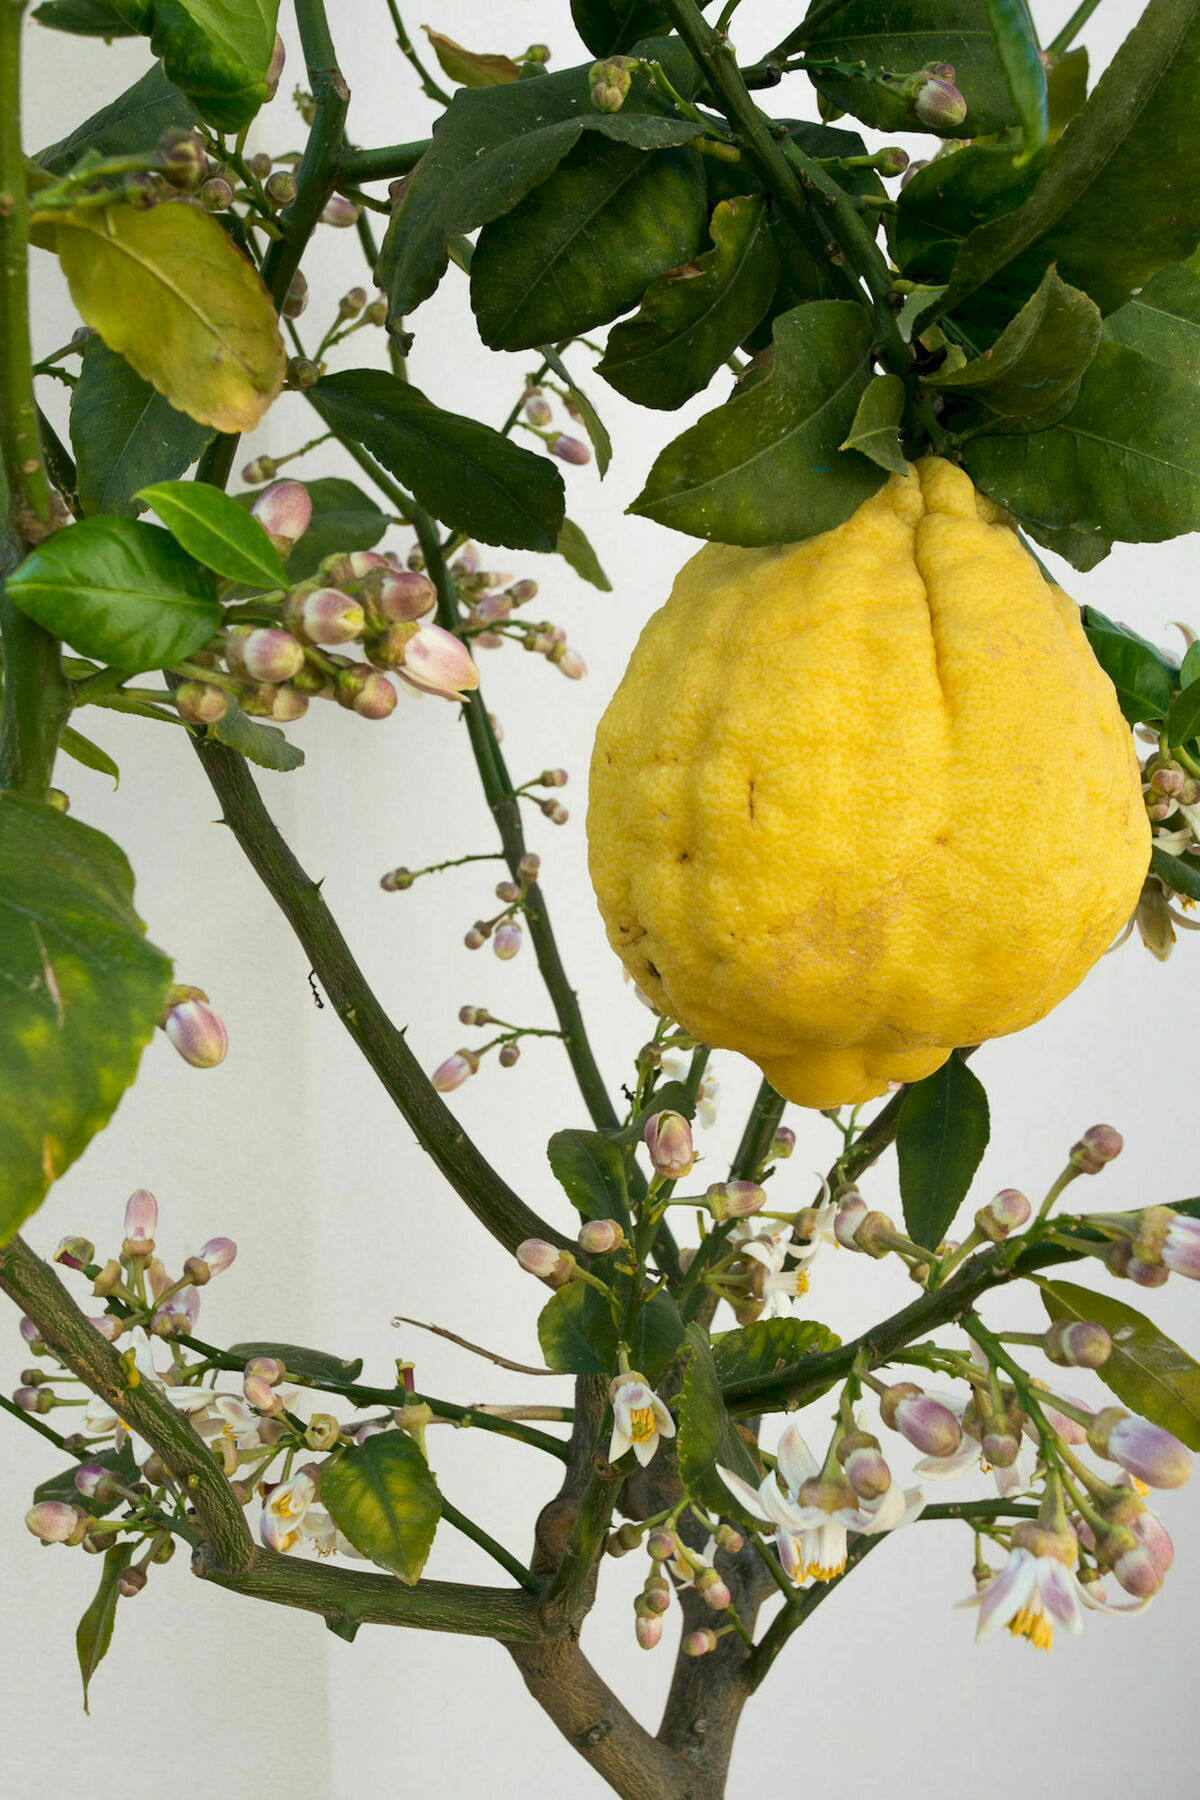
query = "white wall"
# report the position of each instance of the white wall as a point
(292, 1149)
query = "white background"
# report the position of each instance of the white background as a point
(291, 1148)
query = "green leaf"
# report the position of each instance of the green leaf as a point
(83, 18)
(343, 519)
(124, 434)
(578, 1336)
(382, 1495)
(83, 992)
(949, 198)
(1183, 720)
(590, 1168)
(692, 319)
(942, 1134)
(93, 1634)
(1163, 321)
(119, 591)
(465, 473)
(1125, 462)
(764, 468)
(1178, 873)
(1017, 45)
(1147, 1371)
(262, 744)
(1082, 549)
(1138, 671)
(1189, 668)
(216, 51)
(901, 36)
(611, 27)
(1066, 89)
(1035, 365)
(490, 147)
(217, 532)
(1110, 209)
(301, 1363)
(131, 123)
(575, 549)
(62, 1486)
(767, 1346)
(471, 68)
(589, 418)
(707, 1435)
(875, 431)
(583, 246)
(74, 744)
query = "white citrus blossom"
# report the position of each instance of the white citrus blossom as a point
(639, 1418)
(100, 1419)
(290, 1517)
(777, 1285)
(1035, 1590)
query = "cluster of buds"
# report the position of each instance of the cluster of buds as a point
(537, 417)
(1146, 1247)
(504, 929)
(193, 1028)
(491, 599)
(1171, 794)
(608, 82)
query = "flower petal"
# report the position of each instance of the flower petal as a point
(796, 1461)
(1007, 1594)
(1058, 1592)
(743, 1493)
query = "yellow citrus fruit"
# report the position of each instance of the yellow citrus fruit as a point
(865, 798)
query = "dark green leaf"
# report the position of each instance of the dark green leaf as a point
(131, 123)
(1139, 672)
(578, 1337)
(343, 518)
(82, 750)
(1163, 321)
(944, 202)
(218, 532)
(583, 246)
(575, 549)
(902, 36)
(591, 1170)
(94, 1632)
(1017, 45)
(83, 18)
(611, 27)
(875, 431)
(1183, 720)
(1066, 89)
(1082, 549)
(124, 434)
(1178, 873)
(1111, 207)
(382, 1495)
(1147, 1371)
(120, 591)
(707, 1435)
(692, 319)
(83, 991)
(1189, 668)
(1125, 462)
(465, 473)
(942, 1133)
(764, 468)
(301, 1363)
(262, 744)
(62, 1486)
(490, 147)
(216, 52)
(767, 1346)
(1036, 363)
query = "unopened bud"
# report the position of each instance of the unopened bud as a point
(265, 1368)
(569, 449)
(608, 83)
(261, 1395)
(323, 616)
(131, 1582)
(1098, 1145)
(284, 510)
(537, 410)
(545, 1260)
(280, 188)
(296, 298)
(397, 596)
(600, 1236)
(509, 1056)
(437, 662)
(928, 1425)
(852, 1210)
(1008, 1211)
(274, 68)
(196, 1032)
(302, 373)
(865, 1467)
(668, 1138)
(649, 1629)
(712, 1590)
(699, 1643)
(529, 866)
(340, 212)
(1147, 1451)
(269, 654)
(455, 1070)
(782, 1144)
(396, 881)
(141, 1222)
(873, 1234)
(216, 194)
(891, 160)
(366, 692)
(661, 1545)
(939, 104)
(73, 1252)
(735, 1199)
(261, 469)
(200, 703)
(181, 158)
(507, 940)
(352, 303)
(56, 1523)
(1080, 1344)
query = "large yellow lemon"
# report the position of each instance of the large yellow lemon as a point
(865, 798)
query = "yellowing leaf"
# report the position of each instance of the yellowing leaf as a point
(471, 68)
(168, 290)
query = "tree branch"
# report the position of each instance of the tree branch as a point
(387, 163)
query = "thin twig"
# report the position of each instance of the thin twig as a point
(492, 1356)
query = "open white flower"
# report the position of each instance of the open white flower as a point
(639, 1418)
(284, 1512)
(773, 1282)
(1035, 1590)
(99, 1418)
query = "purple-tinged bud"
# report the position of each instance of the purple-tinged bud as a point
(200, 703)
(668, 1138)
(340, 212)
(474, 1015)
(568, 662)
(569, 449)
(600, 1236)
(397, 597)
(28, 1399)
(891, 161)
(366, 692)
(213, 1259)
(864, 1464)
(661, 1545)
(88, 1477)
(261, 469)
(436, 662)
(352, 303)
(1181, 1246)
(699, 1643)
(323, 616)
(1167, 779)
(537, 410)
(275, 67)
(782, 1144)
(196, 1032)
(726, 1538)
(181, 158)
(509, 1056)
(649, 1629)
(939, 105)
(107, 1326)
(852, 1210)
(294, 303)
(656, 1595)
(529, 866)
(30, 1331)
(1146, 1451)
(73, 1252)
(507, 940)
(507, 891)
(266, 1368)
(1153, 1536)
(284, 702)
(131, 1582)
(270, 655)
(261, 1395)
(521, 592)
(301, 374)
(454, 1071)
(56, 1523)
(928, 1425)
(395, 882)
(1080, 1344)
(216, 194)
(1008, 1211)
(476, 938)
(555, 811)
(260, 165)
(141, 1222)
(1000, 1441)
(284, 510)
(712, 1590)
(1099, 1144)
(735, 1199)
(280, 188)
(546, 1261)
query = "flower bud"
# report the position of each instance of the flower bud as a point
(865, 1467)
(938, 104)
(569, 449)
(454, 1071)
(73, 1252)
(352, 303)
(91, 1480)
(546, 1261)
(649, 1629)
(782, 1144)
(537, 410)
(216, 194)
(475, 939)
(600, 1236)
(302, 373)
(668, 1138)
(1079, 1344)
(107, 1326)
(1098, 1145)
(196, 1032)
(131, 1582)
(397, 597)
(181, 158)
(280, 188)
(1000, 1441)
(873, 1234)
(365, 692)
(928, 1425)
(735, 1199)
(661, 1545)
(28, 1399)
(656, 1595)
(1147, 1451)
(552, 778)
(56, 1523)
(1008, 1211)
(521, 592)
(529, 866)
(213, 1259)
(200, 703)
(261, 469)
(891, 161)
(436, 662)
(268, 654)
(260, 165)
(266, 1368)
(1181, 1246)
(261, 1395)
(323, 616)
(712, 1590)
(699, 1643)
(274, 68)
(284, 510)
(852, 1210)
(507, 940)
(608, 83)
(507, 891)
(395, 882)
(509, 1056)
(294, 302)
(340, 212)
(108, 1280)
(555, 811)
(141, 1222)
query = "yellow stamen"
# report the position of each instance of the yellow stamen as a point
(824, 1571)
(1140, 1486)
(642, 1423)
(1033, 1625)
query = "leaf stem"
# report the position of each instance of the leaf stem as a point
(497, 1552)
(387, 163)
